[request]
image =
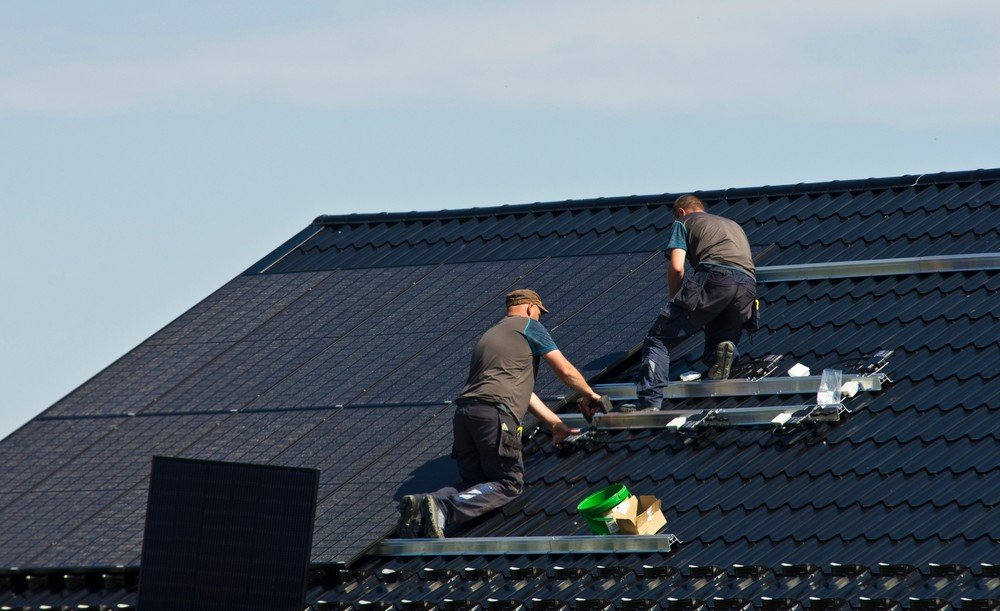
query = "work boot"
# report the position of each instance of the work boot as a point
(725, 352)
(410, 524)
(433, 518)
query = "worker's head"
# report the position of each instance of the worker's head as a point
(686, 204)
(525, 302)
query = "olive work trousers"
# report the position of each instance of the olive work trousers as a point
(487, 448)
(716, 299)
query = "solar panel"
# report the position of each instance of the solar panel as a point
(613, 322)
(122, 458)
(112, 536)
(136, 380)
(400, 330)
(438, 372)
(36, 519)
(226, 536)
(235, 378)
(39, 448)
(341, 301)
(237, 308)
(61, 504)
(351, 438)
(360, 508)
(255, 436)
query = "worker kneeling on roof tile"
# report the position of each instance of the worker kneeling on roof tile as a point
(487, 423)
(718, 297)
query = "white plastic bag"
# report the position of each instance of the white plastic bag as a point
(829, 387)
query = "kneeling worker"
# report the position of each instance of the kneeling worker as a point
(487, 440)
(718, 297)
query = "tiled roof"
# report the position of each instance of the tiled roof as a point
(342, 349)
(949, 213)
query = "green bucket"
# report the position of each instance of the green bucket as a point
(595, 507)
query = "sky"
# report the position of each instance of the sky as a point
(150, 152)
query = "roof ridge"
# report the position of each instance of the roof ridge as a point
(908, 180)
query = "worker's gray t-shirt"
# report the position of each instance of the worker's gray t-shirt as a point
(504, 364)
(713, 240)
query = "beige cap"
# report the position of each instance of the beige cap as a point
(519, 296)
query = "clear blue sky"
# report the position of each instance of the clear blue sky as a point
(149, 152)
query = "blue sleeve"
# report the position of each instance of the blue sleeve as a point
(538, 338)
(678, 237)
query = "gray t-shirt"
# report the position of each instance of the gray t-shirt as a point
(712, 240)
(504, 364)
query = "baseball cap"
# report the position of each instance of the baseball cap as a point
(519, 296)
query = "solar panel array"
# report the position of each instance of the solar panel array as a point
(271, 369)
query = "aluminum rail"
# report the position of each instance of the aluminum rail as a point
(503, 546)
(879, 267)
(743, 387)
(691, 418)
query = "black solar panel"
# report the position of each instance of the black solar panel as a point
(363, 433)
(607, 326)
(34, 520)
(234, 379)
(121, 459)
(566, 285)
(226, 536)
(340, 302)
(237, 308)
(32, 453)
(60, 507)
(358, 506)
(256, 437)
(395, 333)
(111, 535)
(134, 382)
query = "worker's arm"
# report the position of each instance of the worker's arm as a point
(560, 430)
(675, 270)
(569, 374)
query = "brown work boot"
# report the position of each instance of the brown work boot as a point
(410, 524)
(433, 518)
(725, 352)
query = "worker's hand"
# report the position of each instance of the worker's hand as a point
(589, 406)
(560, 431)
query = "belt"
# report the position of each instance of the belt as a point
(722, 267)
(498, 406)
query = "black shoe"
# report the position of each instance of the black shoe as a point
(725, 352)
(410, 523)
(433, 518)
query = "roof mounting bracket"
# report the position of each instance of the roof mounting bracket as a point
(502, 546)
(781, 416)
(879, 267)
(743, 387)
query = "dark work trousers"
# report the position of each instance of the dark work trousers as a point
(487, 448)
(716, 299)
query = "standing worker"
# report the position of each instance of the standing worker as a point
(487, 423)
(719, 296)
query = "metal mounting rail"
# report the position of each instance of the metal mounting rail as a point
(693, 418)
(743, 388)
(503, 546)
(879, 267)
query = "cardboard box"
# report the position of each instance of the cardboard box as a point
(641, 516)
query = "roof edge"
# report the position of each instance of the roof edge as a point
(909, 180)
